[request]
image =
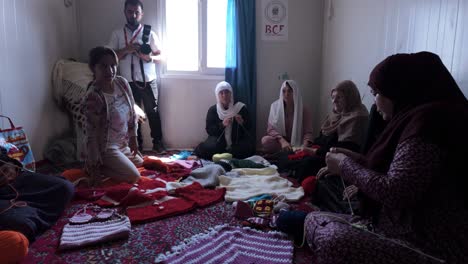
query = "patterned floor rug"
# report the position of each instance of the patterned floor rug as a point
(146, 242)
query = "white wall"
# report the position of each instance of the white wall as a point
(359, 34)
(184, 102)
(33, 35)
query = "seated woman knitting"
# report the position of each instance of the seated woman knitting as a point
(289, 122)
(412, 179)
(344, 127)
(330, 193)
(30, 203)
(111, 148)
(227, 125)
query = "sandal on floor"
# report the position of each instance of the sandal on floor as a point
(105, 214)
(81, 216)
(91, 212)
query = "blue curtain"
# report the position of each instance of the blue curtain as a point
(241, 63)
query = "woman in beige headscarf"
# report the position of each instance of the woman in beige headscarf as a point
(344, 127)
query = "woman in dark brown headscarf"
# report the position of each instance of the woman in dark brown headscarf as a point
(414, 176)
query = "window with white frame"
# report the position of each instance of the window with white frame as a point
(195, 36)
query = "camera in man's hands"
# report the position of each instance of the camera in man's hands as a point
(145, 49)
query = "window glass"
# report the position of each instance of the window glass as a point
(216, 33)
(182, 35)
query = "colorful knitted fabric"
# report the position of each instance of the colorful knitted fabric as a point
(183, 155)
(231, 244)
(155, 164)
(298, 155)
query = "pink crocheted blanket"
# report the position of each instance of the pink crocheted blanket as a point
(232, 244)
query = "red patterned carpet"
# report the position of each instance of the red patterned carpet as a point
(146, 241)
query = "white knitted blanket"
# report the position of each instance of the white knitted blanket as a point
(253, 182)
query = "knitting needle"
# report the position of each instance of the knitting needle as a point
(347, 196)
(221, 135)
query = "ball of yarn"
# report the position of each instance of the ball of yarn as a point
(308, 184)
(220, 156)
(13, 245)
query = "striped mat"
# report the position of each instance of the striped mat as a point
(231, 244)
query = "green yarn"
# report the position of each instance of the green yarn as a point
(237, 163)
(220, 156)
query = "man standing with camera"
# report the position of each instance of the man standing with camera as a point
(136, 46)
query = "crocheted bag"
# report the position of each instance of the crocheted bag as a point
(15, 141)
(94, 232)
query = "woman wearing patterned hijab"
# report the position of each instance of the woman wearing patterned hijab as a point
(227, 125)
(289, 123)
(412, 180)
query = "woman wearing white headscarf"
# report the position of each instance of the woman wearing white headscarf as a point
(289, 123)
(227, 125)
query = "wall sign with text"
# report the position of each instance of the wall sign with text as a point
(275, 20)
